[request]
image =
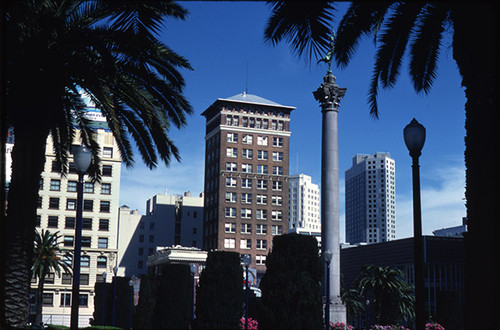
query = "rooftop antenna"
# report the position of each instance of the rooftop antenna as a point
(246, 81)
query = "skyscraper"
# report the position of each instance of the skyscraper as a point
(246, 175)
(370, 199)
(304, 206)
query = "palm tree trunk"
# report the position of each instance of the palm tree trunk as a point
(28, 159)
(39, 300)
(474, 52)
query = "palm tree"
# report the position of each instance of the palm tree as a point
(56, 50)
(392, 298)
(419, 26)
(46, 259)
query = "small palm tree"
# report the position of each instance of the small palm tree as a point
(392, 295)
(46, 259)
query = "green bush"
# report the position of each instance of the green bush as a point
(219, 299)
(144, 309)
(173, 298)
(291, 285)
(123, 300)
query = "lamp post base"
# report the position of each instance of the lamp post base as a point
(337, 311)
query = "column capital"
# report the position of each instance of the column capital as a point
(329, 93)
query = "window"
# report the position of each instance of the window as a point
(277, 141)
(68, 241)
(151, 238)
(39, 204)
(55, 185)
(261, 169)
(104, 206)
(102, 261)
(246, 228)
(85, 261)
(280, 125)
(246, 213)
(232, 137)
(86, 241)
(262, 154)
(231, 197)
(273, 124)
(277, 156)
(84, 279)
(230, 212)
(261, 229)
(107, 152)
(106, 188)
(141, 238)
(83, 300)
(107, 170)
(261, 184)
(278, 170)
(277, 215)
(229, 119)
(87, 223)
(230, 182)
(236, 121)
(247, 139)
(49, 278)
(102, 243)
(247, 153)
(246, 243)
(38, 221)
(229, 227)
(48, 299)
(246, 183)
(261, 214)
(262, 140)
(232, 152)
(54, 203)
(55, 167)
(261, 199)
(72, 186)
(265, 124)
(229, 243)
(277, 200)
(66, 278)
(70, 204)
(88, 205)
(260, 260)
(53, 221)
(140, 264)
(261, 244)
(246, 198)
(65, 299)
(246, 168)
(88, 187)
(69, 223)
(231, 167)
(278, 185)
(104, 224)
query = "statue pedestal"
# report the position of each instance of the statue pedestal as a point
(337, 311)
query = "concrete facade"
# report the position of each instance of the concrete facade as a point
(304, 205)
(370, 199)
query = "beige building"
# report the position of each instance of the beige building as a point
(57, 212)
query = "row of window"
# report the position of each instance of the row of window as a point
(230, 243)
(88, 187)
(102, 242)
(249, 168)
(262, 140)
(234, 120)
(246, 228)
(65, 299)
(69, 223)
(247, 198)
(248, 183)
(260, 214)
(231, 152)
(107, 170)
(88, 204)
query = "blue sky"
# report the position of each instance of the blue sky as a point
(222, 39)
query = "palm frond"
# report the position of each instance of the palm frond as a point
(424, 49)
(306, 26)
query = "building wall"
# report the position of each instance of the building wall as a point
(169, 220)
(57, 211)
(370, 199)
(246, 176)
(304, 205)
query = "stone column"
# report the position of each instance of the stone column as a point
(328, 95)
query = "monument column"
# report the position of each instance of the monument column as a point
(328, 95)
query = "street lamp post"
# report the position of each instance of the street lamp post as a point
(115, 270)
(131, 284)
(82, 158)
(414, 137)
(103, 296)
(193, 268)
(246, 262)
(327, 255)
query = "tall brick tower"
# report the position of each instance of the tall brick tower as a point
(246, 175)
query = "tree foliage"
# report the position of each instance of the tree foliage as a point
(291, 296)
(219, 297)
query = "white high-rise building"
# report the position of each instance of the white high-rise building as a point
(304, 206)
(370, 199)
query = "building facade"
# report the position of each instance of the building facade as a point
(370, 199)
(57, 212)
(246, 175)
(170, 220)
(304, 206)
